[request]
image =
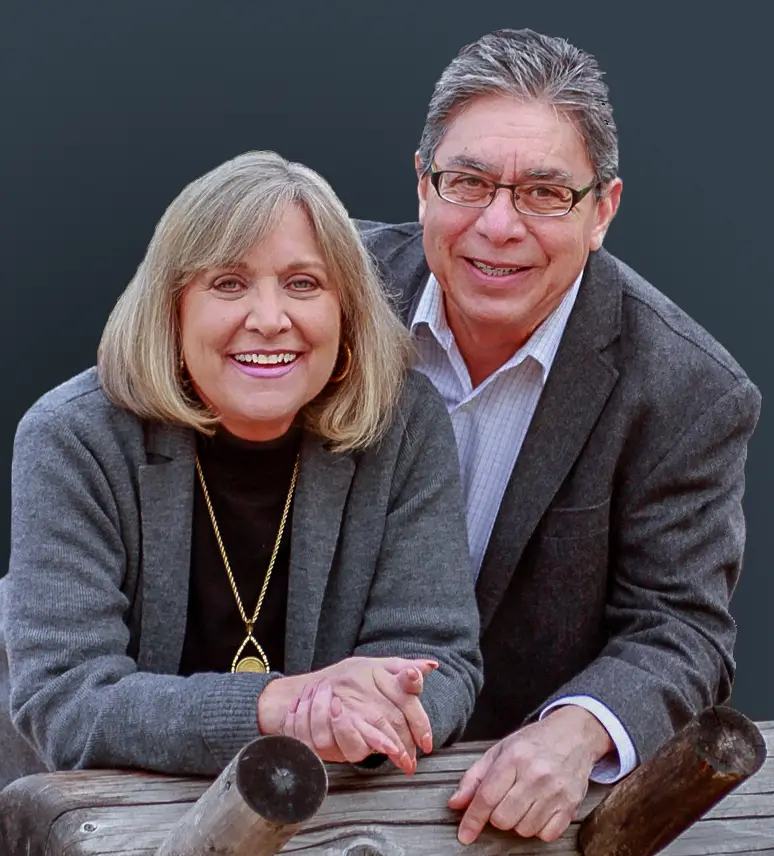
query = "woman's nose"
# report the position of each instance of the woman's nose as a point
(267, 312)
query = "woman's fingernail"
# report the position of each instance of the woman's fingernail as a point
(427, 743)
(336, 706)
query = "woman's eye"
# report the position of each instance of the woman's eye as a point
(228, 286)
(302, 285)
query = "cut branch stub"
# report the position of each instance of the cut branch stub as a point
(256, 804)
(715, 752)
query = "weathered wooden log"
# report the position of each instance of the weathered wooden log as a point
(386, 813)
(717, 751)
(256, 804)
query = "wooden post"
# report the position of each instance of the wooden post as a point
(715, 752)
(256, 804)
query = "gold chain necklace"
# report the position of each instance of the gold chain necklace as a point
(261, 662)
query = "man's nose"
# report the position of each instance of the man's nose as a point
(500, 222)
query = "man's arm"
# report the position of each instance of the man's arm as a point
(677, 543)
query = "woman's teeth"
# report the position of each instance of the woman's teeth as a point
(495, 271)
(265, 359)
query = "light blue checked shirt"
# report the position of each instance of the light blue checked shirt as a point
(490, 423)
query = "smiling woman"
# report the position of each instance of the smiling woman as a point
(260, 340)
(251, 508)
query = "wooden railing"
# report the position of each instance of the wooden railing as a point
(276, 794)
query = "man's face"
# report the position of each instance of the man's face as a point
(538, 258)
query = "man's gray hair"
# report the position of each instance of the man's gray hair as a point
(529, 66)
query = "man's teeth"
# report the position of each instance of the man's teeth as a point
(495, 271)
(265, 359)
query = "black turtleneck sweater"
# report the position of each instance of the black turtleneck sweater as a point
(248, 484)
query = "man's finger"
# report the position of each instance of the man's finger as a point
(529, 809)
(556, 825)
(519, 809)
(469, 783)
(489, 794)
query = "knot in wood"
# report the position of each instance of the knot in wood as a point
(369, 842)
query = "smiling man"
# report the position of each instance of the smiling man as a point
(602, 435)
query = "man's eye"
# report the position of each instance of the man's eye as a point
(469, 181)
(545, 191)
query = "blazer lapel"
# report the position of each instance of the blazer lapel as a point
(404, 272)
(579, 383)
(166, 508)
(321, 493)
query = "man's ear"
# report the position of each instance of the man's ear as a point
(607, 208)
(423, 182)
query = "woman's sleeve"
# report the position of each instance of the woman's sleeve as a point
(422, 602)
(76, 695)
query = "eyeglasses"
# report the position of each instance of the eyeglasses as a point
(533, 198)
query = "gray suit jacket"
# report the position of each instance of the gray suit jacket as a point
(94, 604)
(620, 536)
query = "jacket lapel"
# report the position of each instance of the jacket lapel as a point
(404, 272)
(579, 383)
(166, 509)
(324, 480)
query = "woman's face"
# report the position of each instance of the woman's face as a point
(260, 339)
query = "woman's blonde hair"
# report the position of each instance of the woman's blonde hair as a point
(213, 223)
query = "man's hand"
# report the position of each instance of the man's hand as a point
(534, 780)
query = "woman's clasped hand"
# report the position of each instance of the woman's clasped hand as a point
(352, 709)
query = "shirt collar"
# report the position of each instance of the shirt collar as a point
(432, 314)
(542, 345)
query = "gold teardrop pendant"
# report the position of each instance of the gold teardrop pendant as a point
(258, 664)
(251, 664)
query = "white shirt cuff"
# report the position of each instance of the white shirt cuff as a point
(612, 767)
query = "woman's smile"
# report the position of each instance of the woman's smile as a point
(266, 364)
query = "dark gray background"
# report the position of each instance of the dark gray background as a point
(108, 109)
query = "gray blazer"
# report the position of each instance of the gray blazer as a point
(620, 536)
(94, 604)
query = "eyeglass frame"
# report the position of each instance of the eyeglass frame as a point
(577, 195)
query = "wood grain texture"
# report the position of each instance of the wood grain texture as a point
(256, 805)
(716, 751)
(379, 814)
